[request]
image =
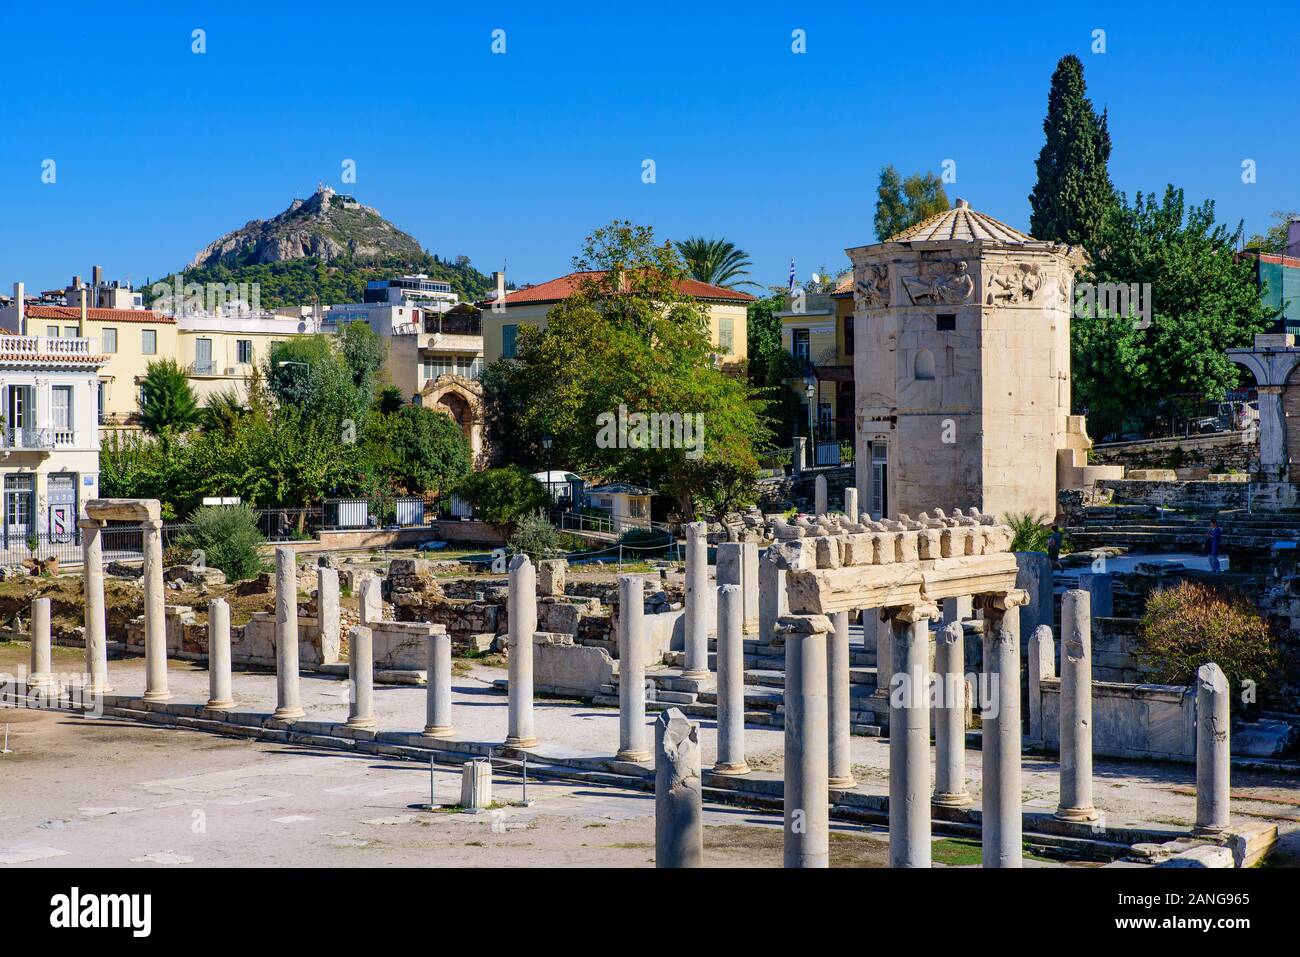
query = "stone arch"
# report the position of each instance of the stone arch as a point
(462, 400)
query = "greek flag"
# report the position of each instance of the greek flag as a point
(789, 286)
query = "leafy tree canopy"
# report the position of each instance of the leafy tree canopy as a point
(901, 203)
(168, 401)
(715, 261)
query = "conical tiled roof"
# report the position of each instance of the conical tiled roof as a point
(961, 224)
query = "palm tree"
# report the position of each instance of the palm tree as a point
(715, 261)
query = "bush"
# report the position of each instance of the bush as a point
(535, 537)
(504, 496)
(645, 542)
(227, 536)
(1190, 624)
(1032, 532)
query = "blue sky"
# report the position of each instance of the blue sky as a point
(511, 159)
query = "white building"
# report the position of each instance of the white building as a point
(395, 305)
(49, 444)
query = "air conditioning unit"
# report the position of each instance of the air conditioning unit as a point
(232, 370)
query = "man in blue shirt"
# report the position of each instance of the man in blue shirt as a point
(1212, 543)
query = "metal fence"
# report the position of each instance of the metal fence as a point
(123, 542)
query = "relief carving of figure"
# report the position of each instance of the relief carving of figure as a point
(872, 290)
(1014, 284)
(946, 282)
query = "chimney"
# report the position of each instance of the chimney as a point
(1293, 237)
(20, 297)
(96, 275)
(81, 302)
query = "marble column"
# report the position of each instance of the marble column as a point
(956, 609)
(819, 495)
(1076, 708)
(876, 629)
(287, 700)
(799, 456)
(697, 601)
(1000, 829)
(909, 738)
(950, 729)
(839, 707)
(772, 599)
(1272, 432)
(361, 678)
(437, 691)
(731, 681)
(807, 804)
(679, 809)
(327, 606)
(1213, 750)
(220, 697)
(521, 616)
(851, 503)
(92, 565)
(370, 596)
(749, 568)
(633, 734)
(41, 678)
(155, 615)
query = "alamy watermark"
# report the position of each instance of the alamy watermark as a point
(1114, 299)
(206, 299)
(652, 430)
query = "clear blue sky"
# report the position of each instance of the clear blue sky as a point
(514, 158)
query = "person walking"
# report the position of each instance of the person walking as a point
(1054, 548)
(1213, 542)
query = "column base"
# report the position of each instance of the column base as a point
(1210, 829)
(636, 756)
(220, 705)
(521, 742)
(952, 799)
(157, 696)
(697, 674)
(361, 724)
(845, 782)
(1079, 815)
(438, 731)
(94, 689)
(284, 714)
(732, 768)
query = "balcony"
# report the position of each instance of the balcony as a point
(40, 440)
(202, 367)
(47, 347)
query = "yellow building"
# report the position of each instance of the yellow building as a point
(218, 353)
(129, 339)
(727, 310)
(817, 329)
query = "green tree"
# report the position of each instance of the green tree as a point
(763, 334)
(1203, 301)
(627, 339)
(503, 496)
(417, 450)
(902, 203)
(1273, 239)
(1073, 191)
(535, 537)
(168, 401)
(715, 261)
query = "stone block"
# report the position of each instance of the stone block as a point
(552, 576)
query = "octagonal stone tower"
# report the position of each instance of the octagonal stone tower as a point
(962, 367)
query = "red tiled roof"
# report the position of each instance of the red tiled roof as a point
(98, 315)
(565, 286)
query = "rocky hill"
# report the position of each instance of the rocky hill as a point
(326, 227)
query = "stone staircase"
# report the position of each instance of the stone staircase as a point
(1145, 528)
(764, 686)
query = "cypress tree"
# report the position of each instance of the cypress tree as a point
(1073, 190)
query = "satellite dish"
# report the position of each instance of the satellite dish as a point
(816, 278)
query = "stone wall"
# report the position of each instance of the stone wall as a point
(1128, 720)
(777, 495)
(1218, 452)
(1204, 496)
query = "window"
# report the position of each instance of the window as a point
(508, 337)
(202, 355)
(61, 408)
(71, 332)
(946, 322)
(848, 335)
(110, 340)
(244, 351)
(439, 366)
(800, 346)
(149, 342)
(470, 368)
(52, 332)
(101, 400)
(725, 336)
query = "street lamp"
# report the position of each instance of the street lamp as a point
(812, 418)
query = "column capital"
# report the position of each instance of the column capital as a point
(152, 524)
(1015, 598)
(911, 614)
(90, 524)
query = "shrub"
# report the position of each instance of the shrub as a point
(227, 536)
(645, 542)
(535, 537)
(1190, 624)
(1031, 530)
(502, 497)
